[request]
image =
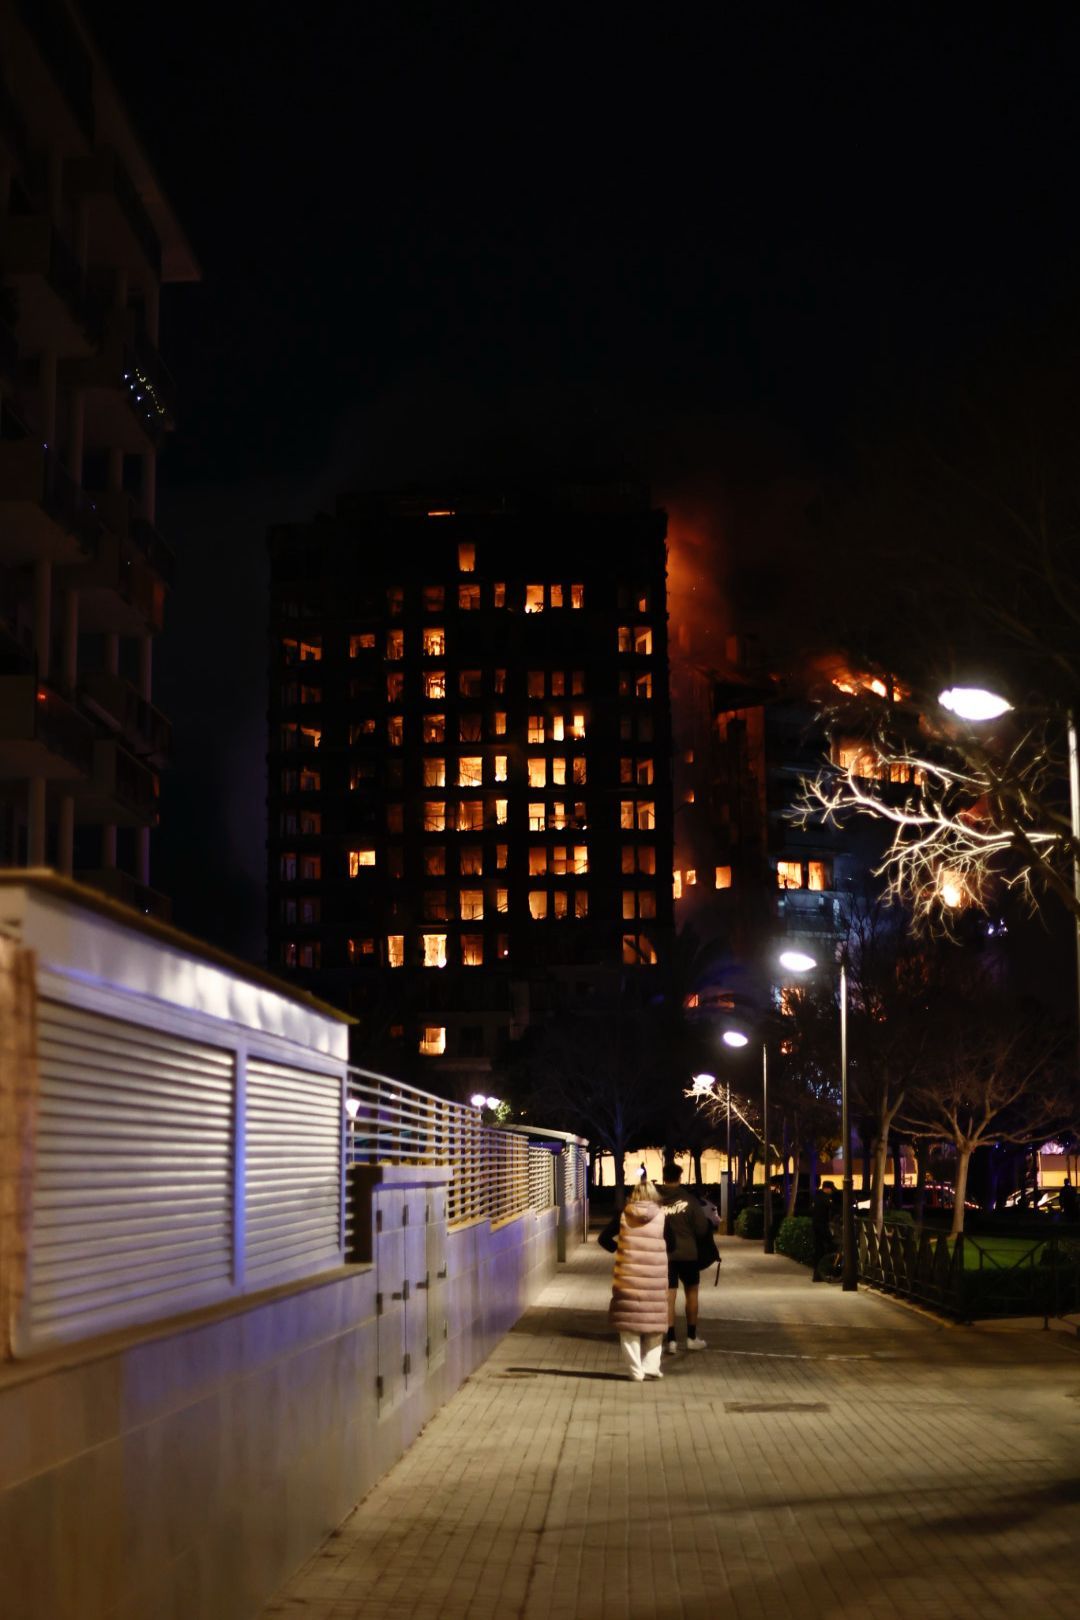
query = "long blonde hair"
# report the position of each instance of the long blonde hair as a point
(643, 1192)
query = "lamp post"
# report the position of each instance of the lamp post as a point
(977, 705)
(800, 962)
(735, 1038)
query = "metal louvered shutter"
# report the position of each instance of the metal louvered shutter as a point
(292, 1224)
(132, 1175)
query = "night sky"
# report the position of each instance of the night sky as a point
(710, 247)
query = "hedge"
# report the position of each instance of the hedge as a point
(795, 1238)
(750, 1222)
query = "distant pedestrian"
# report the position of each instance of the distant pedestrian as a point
(688, 1224)
(1070, 1203)
(821, 1224)
(638, 1311)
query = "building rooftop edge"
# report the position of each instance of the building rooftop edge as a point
(47, 881)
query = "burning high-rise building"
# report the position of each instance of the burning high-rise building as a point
(470, 764)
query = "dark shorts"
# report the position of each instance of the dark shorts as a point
(687, 1272)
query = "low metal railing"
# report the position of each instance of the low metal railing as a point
(497, 1174)
(1024, 1273)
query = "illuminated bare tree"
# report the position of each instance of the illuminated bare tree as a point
(988, 1077)
(965, 815)
(957, 549)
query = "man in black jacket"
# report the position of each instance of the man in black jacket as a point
(688, 1223)
(821, 1224)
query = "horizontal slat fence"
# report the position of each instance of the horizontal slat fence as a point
(495, 1176)
(132, 1174)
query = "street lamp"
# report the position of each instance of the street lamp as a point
(736, 1039)
(975, 704)
(800, 962)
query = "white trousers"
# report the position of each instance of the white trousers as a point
(643, 1352)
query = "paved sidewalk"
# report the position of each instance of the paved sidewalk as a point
(829, 1455)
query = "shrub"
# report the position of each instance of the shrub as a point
(750, 1222)
(795, 1238)
(899, 1217)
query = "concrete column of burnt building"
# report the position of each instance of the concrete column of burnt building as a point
(469, 765)
(87, 239)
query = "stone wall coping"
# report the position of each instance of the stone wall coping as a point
(121, 1340)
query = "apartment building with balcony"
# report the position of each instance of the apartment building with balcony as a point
(749, 879)
(469, 765)
(87, 241)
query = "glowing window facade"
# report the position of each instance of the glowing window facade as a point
(723, 877)
(789, 875)
(395, 950)
(468, 598)
(434, 772)
(434, 642)
(434, 685)
(432, 1040)
(359, 859)
(538, 904)
(537, 773)
(534, 599)
(434, 949)
(466, 557)
(471, 905)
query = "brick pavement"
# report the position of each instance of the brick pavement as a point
(828, 1456)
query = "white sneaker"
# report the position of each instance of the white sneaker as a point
(695, 1344)
(670, 1347)
(654, 1375)
(637, 1377)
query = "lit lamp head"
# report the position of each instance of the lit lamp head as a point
(797, 961)
(735, 1038)
(492, 1102)
(702, 1085)
(352, 1106)
(478, 1100)
(974, 703)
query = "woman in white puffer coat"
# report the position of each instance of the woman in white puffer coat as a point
(639, 1312)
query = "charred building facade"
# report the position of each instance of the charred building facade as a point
(469, 765)
(87, 240)
(749, 879)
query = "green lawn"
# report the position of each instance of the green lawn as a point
(988, 1252)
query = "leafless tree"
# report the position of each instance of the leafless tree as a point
(987, 1076)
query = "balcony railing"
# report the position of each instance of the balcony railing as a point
(69, 505)
(158, 553)
(119, 775)
(104, 173)
(32, 712)
(122, 886)
(30, 244)
(150, 389)
(118, 702)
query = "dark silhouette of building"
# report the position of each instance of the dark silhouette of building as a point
(470, 765)
(87, 241)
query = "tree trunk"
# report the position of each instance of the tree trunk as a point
(618, 1153)
(695, 1154)
(864, 1142)
(922, 1162)
(897, 1173)
(963, 1160)
(812, 1168)
(877, 1196)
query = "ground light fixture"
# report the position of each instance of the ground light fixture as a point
(802, 962)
